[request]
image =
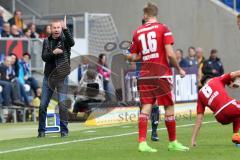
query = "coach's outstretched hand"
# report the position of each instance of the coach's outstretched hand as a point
(64, 22)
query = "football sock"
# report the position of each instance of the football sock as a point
(171, 127)
(142, 127)
(236, 125)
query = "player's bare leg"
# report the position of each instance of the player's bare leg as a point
(170, 123)
(142, 126)
(236, 135)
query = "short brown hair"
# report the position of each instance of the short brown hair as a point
(151, 10)
(55, 21)
(214, 51)
(27, 54)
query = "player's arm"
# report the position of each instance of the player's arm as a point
(199, 118)
(133, 57)
(232, 79)
(235, 74)
(196, 129)
(172, 57)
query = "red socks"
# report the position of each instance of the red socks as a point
(236, 125)
(143, 124)
(142, 127)
(171, 127)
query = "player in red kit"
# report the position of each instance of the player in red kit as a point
(152, 47)
(226, 109)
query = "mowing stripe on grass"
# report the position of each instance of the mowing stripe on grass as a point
(33, 130)
(89, 139)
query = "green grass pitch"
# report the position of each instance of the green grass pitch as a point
(119, 142)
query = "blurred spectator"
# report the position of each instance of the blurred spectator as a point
(27, 78)
(32, 28)
(106, 73)
(27, 33)
(1, 18)
(191, 58)
(201, 60)
(82, 68)
(6, 31)
(6, 93)
(238, 21)
(14, 64)
(90, 90)
(179, 55)
(17, 20)
(213, 66)
(6, 76)
(15, 32)
(46, 32)
(13, 73)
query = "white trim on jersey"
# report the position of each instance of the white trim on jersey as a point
(224, 106)
(168, 34)
(155, 77)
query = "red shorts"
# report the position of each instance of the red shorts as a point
(229, 114)
(152, 90)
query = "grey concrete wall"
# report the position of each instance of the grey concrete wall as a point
(193, 22)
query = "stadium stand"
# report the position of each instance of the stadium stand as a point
(231, 3)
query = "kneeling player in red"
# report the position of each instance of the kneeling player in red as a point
(226, 109)
(152, 47)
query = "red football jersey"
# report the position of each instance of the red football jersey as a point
(149, 42)
(214, 95)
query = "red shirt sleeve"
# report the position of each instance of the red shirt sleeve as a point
(167, 36)
(134, 48)
(200, 107)
(226, 78)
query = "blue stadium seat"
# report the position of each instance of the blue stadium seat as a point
(231, 2)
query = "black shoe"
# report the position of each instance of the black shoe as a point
(64, 135)
(41, 135)
(154, 136)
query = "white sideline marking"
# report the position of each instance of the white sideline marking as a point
(90, 131)
(89, 139)
(126, 126)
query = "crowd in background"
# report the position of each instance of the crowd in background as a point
(16, 81)
(211, 67)
(17, 85)
(16, 28)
